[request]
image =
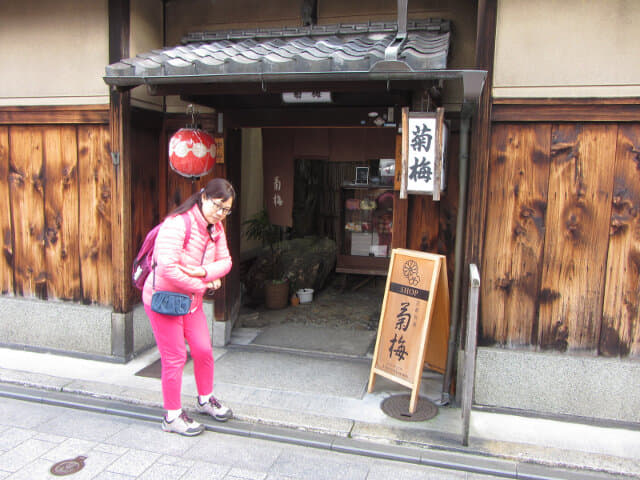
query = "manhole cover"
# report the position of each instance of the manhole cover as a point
(67, 467)
(397, 406)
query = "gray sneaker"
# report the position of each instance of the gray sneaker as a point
(183, 425)
(214, 408)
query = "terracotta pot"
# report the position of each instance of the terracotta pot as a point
(276, 295)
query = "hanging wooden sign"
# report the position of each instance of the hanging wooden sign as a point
(219, 149)
(424, 137)
(414, 321)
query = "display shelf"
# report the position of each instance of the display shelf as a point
(367, 219)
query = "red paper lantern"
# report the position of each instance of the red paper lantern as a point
(192, 152)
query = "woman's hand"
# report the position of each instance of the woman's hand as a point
(193, 271)
(216, 284)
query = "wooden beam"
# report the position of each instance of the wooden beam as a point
(274, 100)
(57, 114)
(566, 110)
(272, 87)
(299, 117)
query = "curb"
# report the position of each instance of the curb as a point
(450, 459)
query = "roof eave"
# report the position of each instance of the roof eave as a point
(472, 80)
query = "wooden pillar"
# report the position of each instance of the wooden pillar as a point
(121, 228)
(121, 233)
(400, 206)
(227, 298)
(119, 122)
(480, 141)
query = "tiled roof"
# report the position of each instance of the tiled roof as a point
(342, 51)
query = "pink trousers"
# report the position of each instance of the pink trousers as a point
(170, 333)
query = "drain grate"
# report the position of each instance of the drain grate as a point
(397, 406)
(68, 467)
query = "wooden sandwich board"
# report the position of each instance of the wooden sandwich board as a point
(414, 321)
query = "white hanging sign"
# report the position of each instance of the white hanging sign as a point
(424, 161)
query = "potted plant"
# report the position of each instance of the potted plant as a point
(276, 285)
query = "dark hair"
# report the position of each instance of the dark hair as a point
(215, 188)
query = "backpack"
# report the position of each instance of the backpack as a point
(143, 263)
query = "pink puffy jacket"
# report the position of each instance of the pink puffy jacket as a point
(202, 249)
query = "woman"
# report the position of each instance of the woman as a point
(193, 270)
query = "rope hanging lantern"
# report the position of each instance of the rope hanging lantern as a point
(192, 151)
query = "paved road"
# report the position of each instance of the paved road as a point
(35, 436)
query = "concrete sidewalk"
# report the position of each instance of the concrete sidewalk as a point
(302, 393)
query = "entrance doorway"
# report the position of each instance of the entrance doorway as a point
(343, 315)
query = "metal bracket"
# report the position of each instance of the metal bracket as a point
(115, 158)
(391, 52)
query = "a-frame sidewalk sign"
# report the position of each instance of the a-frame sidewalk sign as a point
(414, 320)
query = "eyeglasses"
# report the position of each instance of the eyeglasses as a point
(220, 208)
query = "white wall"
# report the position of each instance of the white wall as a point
(145, 35)
(567, 48)
(53, 52)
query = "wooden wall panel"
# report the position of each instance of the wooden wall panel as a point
(180, 188)
(27, 213)
(423, 224)
(310, 142)
(379, 143)
(144, 192)
(94, 174)
(347, 145)
(517, 195)
(449, 206)
(620, 332)
(6, 260)
(61, 213)
(577, 234)
(145, 206)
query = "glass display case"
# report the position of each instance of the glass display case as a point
(367, 215)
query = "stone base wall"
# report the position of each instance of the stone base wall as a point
(89, 331)
(558, 385)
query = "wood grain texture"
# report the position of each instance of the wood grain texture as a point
(577, 234)
(6, 260)
(145, 204)
(60, 211)
(27, 213)
(480, 146)
(566, 110)
(423, 226)
(54, 114)
(400, 207)
(620, 332)
(120, 169)
(449, 205)
(517, 193)
(94, 177)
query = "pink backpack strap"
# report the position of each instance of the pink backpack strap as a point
(187, 224)
(187, 235)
